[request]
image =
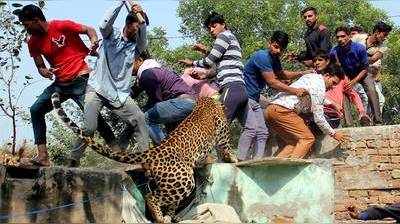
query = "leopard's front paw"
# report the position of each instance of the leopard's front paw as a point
(167, 219)
(229, 157)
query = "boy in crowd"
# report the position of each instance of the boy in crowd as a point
(226, 56)
(334, 97)
(353, 58)
(170, 99)
(262, 69)
(376, 50)
(316, 37)
(110, 83)
(282, 114)
(58, 41)
(354, 30)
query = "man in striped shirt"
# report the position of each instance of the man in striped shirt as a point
(226, 56)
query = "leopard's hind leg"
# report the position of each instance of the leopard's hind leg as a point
(153, 203)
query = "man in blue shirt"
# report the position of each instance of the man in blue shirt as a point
(263, 67)
(353, 58)
(110, 84)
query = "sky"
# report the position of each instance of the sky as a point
(161, 13)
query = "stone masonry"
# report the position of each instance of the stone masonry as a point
(367, 168)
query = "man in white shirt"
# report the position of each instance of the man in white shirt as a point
(283, 118)
(376, 49)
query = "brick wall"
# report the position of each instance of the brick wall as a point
(367, 169)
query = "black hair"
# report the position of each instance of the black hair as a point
(280, 38)
(214, 18)
(344, 29)
(358, 29)
(30, 12)
(321, 54)
(334, 70)
(310, 8)
(131, 18)
(382, 27)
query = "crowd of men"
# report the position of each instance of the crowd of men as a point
(306, 103)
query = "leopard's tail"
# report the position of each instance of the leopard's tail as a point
(120, 156)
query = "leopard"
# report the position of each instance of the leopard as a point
(171, 164)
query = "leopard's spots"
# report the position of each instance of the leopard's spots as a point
(171, 163)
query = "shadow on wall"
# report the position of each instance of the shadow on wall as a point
(270, 178)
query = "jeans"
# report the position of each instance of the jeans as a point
(363, 95)
(254, 131)
(167, 112)
(74, 90)
(379, 213)
(368, 89)
(128, 112)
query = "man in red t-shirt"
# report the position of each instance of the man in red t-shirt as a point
(58, 41)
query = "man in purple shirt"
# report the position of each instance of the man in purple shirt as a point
(353, 58)
(170, 99)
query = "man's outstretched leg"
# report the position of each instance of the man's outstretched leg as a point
(38, 111)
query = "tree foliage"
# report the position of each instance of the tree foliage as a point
(391, 80)
(159, 49)
(253, 21)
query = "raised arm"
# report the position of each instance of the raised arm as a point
(106, 25)
(141, 36)
(220, 46)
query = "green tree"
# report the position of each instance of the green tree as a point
(253, 21)
(159, 49)
(391, 80)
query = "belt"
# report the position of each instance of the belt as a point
(67, 83)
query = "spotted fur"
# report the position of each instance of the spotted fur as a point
(171, 163)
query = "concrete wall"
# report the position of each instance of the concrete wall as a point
(260, 191)
(59, 195)
(367, 169)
